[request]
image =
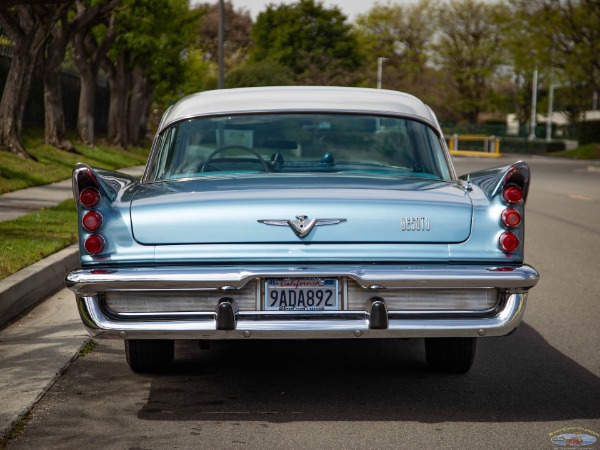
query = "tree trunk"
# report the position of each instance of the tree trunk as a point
(28, 31)
(137, 105)
(87, 105)
(88, 73)
(88, 54)
(118, 82)
(145, 117)
(55, 132)
(14, 97)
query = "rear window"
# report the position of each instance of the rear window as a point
(298, 143)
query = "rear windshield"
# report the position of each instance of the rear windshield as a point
(298, 143)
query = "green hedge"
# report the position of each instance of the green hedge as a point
(522, 145)
(589, 132)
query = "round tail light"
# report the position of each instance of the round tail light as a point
(92, 220)
(510, 218)
(512, 194)
(94, 244)
(508, 241)
(89, 197)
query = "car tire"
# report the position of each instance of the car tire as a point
(149, 355)
(450, 355)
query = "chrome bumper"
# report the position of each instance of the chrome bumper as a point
(375, 321)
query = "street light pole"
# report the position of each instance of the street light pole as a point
(380, 70)
(550, 111)
(533, 104)
(221, 82)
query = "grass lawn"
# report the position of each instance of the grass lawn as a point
(585, 152)
(55, 165)
(35, 236)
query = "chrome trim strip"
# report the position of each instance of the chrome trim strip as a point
(304, 326)
(512, 279)
(270, 315)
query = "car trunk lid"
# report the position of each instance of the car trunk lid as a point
(341, 210)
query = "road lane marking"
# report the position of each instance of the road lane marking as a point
(582, 198)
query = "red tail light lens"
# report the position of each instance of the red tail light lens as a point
(94, 244)
(92, 220)
(512, 194)
(497, 269)
(508, 241)
(510, 218)
(89, 197)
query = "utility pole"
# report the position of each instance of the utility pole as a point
(221, 83)
(550, 111)
(380, 70)
(550, 96)
(533, 104)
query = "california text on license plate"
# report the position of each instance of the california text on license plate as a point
(301, 294)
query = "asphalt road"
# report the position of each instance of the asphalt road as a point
(541, 381)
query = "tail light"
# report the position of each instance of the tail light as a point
(92, 220)
(89, 197)
(512, 194)
(508, 241)
(88, 192)
(94, 244)
(510, 218)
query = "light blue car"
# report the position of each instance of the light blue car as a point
(301, 213)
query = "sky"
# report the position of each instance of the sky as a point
(350, 8)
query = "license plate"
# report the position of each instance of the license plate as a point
(301, 294)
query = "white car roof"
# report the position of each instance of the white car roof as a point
(298, 99)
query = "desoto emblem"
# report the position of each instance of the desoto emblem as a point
(415, 224)
(301, 226)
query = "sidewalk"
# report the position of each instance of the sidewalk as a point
(18, 203)
(35, 350)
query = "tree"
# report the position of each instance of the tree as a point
(194, 75)
(173, 70)
(236, 33)
(574, 34)
(402, 34)
(61, 33)
(564, 36)
(467, 50)
(309, 39)
(90, 45)
(265, 73)
(152, 36)
(28, 26)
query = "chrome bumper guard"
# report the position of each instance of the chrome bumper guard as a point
(228, 322)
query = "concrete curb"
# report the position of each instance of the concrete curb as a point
(594, 169)
(22, 290)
